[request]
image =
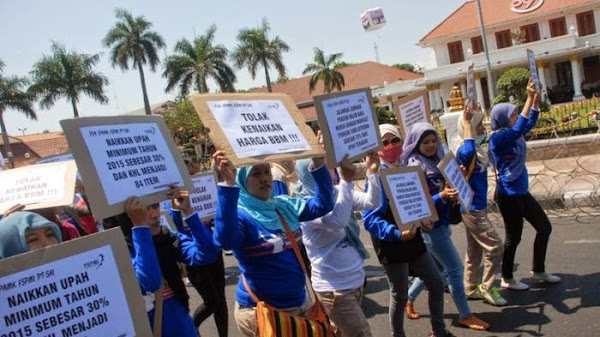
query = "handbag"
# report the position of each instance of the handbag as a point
(273, 322)
(455, 213)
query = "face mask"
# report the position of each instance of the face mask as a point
(391, 153)
(481, 139)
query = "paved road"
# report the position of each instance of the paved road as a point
(571, 308)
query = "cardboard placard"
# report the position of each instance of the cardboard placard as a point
(471, 85)
(125, 156)
(349, 124)
(38, 186)
(451, 171)
(410, 110)
(406, 189)
(257, 128)
(85, 286)
(203, 197)
(533, 70)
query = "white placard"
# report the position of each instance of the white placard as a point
(471, 85)
(79, 295)
(412, 112)
(46, 185)
(533, 70)
(351, 125)
(204, 197)
(408, 196)
(58, 158)
(451, 171)
(258, 127)
(131, 159)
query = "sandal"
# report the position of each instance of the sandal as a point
(410, 311)
(473, 322)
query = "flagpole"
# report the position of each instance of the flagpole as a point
(490, 79)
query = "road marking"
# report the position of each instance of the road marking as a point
(576, 242)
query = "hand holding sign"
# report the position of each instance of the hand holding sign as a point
(347, 169)
(225, 167)
(136, 212)
(180, 199)
(372, 160)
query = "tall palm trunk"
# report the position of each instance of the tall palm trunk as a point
(5, 141)
(266, 66)
(143, 79)
(75, 111)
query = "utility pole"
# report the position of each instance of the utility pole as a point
(376, 52)
(490, 79)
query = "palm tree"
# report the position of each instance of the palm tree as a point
(13, 95)
(255, 49)
(133, 40)
(324, 69)
(67, 74)
(196, 62)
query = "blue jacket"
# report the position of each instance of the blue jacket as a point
(266, 258)
(478, 181)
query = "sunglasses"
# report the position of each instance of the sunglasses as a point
(393, 141)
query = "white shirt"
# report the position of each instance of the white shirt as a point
(336, 265)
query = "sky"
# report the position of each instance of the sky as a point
(29, 26)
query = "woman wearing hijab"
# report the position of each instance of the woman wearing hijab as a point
(21, 232)
(423, 148)
(508, 151)
(334, 248)
(155, 251)
(482, 238)
(401, 251)
(250, 223)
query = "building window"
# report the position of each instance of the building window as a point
(558, 27)
(476, 45)
(585, 23)
(503, 39)
(455, 51)
(532, 32)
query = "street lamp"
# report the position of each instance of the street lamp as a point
(22, 130)
(487, 55)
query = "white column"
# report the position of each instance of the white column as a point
(479, 91)
(438, 99)
(463, 89)
(541, 69)
(431, 95)
(578, 95)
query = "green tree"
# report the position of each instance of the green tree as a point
(512, 83)
(342, 64)
(322, 69)
(196, 63)
(67, 74)
(14, 95)
(408, 67)
(132, 40)
(255, 49)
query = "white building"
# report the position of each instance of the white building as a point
(563, 34)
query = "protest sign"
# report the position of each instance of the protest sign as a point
(83, 287)
(409, 197)
(451, 171)
(38, 186)
(166, 220)
(471, 85)
(257, 128)
(410, 110)
(204, 195)
(58, 158)
(533, 70)
(125, 156)
(349, 124)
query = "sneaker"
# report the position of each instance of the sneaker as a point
(545, 277)
(444, 334)
(474, 294)
(492, 296)
(513, 284)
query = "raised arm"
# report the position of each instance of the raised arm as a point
(322, 201)
(229, 232)
(375, 222)
(370, 198)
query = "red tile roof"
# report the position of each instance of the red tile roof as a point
(38, 146)
(495, 12)
(356, 76)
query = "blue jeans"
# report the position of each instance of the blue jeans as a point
(440, 245)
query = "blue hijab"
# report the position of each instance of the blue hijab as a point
(267, 212)
(500, 116)
(307, 187)
(14, 228)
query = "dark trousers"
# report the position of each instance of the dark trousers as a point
(209, 281)
(514, 209)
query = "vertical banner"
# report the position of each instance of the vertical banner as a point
(533, 70)
(84, 287)
(409, 197)
(38, 186)
(451, 171)
(349, 124)
(471, 85)
(256, 128)
(410, 110)
(204, 195)
(125, 156)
